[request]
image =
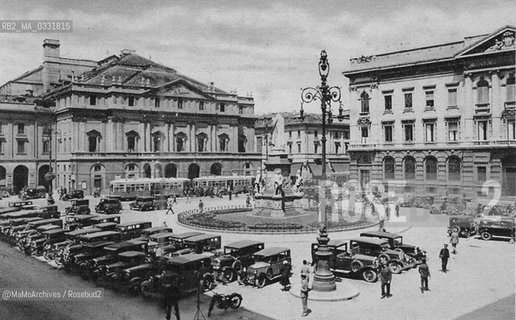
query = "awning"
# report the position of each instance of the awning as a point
(340, 167)
(317, 169)
(294, 168)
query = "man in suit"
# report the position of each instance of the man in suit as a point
(385, 278)
(444, 255)
(424, 272)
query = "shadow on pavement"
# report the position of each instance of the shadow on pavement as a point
(501, 309)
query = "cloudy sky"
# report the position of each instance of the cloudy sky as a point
(267, 48)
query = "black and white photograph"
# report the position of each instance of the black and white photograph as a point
(257, 160)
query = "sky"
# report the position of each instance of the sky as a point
(267, 49)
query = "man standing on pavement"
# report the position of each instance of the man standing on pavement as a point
(285, 272)
(201, 206)
(424, 272)
(454, 240)
(304, 295)
(444, 255)
(385, 277)
(172, 294)
(169, 209)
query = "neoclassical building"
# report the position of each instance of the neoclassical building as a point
(438, 119)
(127, 116)
(303, 143)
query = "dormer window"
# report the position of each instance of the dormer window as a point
(131, 101)
(222, 107)
(180, 104)
(93, 100)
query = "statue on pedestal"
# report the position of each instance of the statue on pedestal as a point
(278, 132)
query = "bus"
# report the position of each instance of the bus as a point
(129, 189)
(224, 183)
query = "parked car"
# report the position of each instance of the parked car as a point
(178, 242)
(187, 270)
(75, 255)
(266, 266)
(48, 238)
(81, 206)
(78, 221)
(74, 194)
(107, 226)
(142, 204)
(496, 226)
(349, 260)
(381, 248)
(109, 274)
(19, 204)
(203, 243)
(133, 230)
(395, 243)
(146, 233)
(236, 255)
(463, 225)
(109, 206)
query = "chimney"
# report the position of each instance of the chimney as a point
(51, 48)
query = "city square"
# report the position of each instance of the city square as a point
(235, 160)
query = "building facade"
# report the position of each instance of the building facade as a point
(436, 120)
(128, 116)
(303, 143)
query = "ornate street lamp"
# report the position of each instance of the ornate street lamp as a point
(324, 279)
(50, 175)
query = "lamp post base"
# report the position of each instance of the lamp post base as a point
(324, 279)
(50, 199)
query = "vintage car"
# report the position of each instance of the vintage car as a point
(107, 226)
(48, 238)
(19, 204)
(74, 194)
(351, 261)
(187, 269)
(55, 250)
(159, 240)
(6, 226)
(35, 193)
(203, 243)
(112, 236)
(464, 225)
(178, 243)
(236, 255)
(75, 255)
(109, 206)
(133, 230)
(396, 260)
(266, 266)
(395, 242)
(43, 212)
(81, 206)
(496, 226)
(146, 233)
(5, 210)
(78, 221)
(25, 239)
(110, 273)
(142, 204)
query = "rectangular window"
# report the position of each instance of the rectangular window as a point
(240, 110)
(337, 147)
(290, 134)
(156, 103)
(511, 130)
(131, 101)
(316, 147)
(1, 147)
(21, 147)
(409, 132)
(511, 92)
(290, 148)
(315, 133)
(336, 135)
(201, 105)
(21, 128)
(453, 131)
(299, 148)
(388, 102)
(430, 132)
(481, 174)
(1, 129)
(46, 146)
(452, 98)
(388, 133)
(483, 95)
(482, 130)
(222, 107)
(365, 134)
(345, 134)
(299, 133)
(93, 100)
(429, 97)
(131, 143)
(408, 100)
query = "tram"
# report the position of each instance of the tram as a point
(224, 184)
(129, 189)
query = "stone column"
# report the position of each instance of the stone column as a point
(141, 140)
(109, 143)
(496, 107)
(148, 139)
(234, 143)
(467, 109)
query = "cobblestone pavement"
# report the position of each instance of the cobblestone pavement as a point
(481, 275)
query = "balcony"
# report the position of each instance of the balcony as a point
(362, 146)
(482, 108)
(118, 155)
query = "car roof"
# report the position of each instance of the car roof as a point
(106, 224)
(185, 258)
(121, 245)
(98, 244)
(161, 235)
(187, 235)
(99, 234)
(152, 229)
(381, 234)
(242, 244)
(83, 231)
(145, 198)
(59, 230)
(271, 251)
(83, 216)
(369, 240)
(130, 254)
(105, 216)
(202, 237)
(132, 223)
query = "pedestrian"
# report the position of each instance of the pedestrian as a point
(385, 277)
(444, 254)
(248, 201)
(172, 294)
(174, 199)
(170, 209)
(397, 210)
(454, 240)
(424, 272)
(285, 271)
(165, 224)
(305, 268)
(201, 206)
(230, 194)
(304, 295)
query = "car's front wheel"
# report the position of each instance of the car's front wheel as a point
(230, 275)
(395, 267)
(486, 235)
(236, 300)
(369, 275)
(261, 281)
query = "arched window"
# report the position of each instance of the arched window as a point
(431, 168)
(482, 92)
(388, 168)
(94, 138)
(242, 141)
(409, 168)
(223, 143)
(147, 170)
(216, 169)
(202, 142)
(454, 168)
(180, 142)
(364, 102)
(170, 171)
(510, 89)
(157, 141)
(132, 141)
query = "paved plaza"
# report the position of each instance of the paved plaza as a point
(480, 276)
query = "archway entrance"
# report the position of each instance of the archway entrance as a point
(41, 176)
(20, 178)
(216, 169)
(509, 175)
(193, 171)
(146, 171)
(170, 171)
